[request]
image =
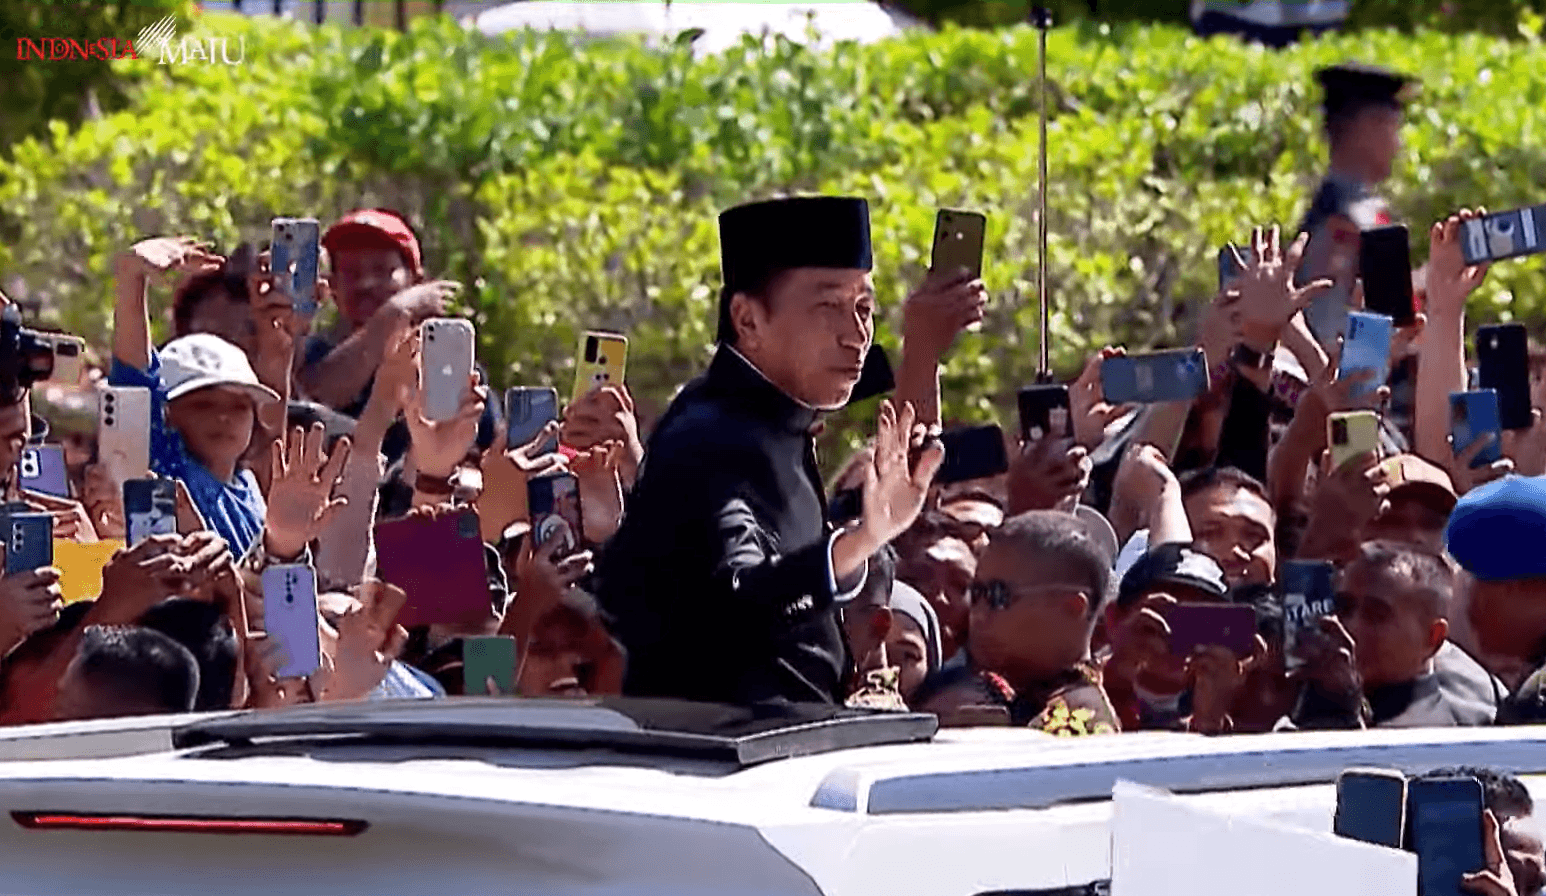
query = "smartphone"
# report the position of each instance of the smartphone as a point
(603, 359)
(1366, 346)
(1044, 412)
(1503, 365)
(440, 564)
(1229, 269)
(1307, 596)
(294, 247)
(1385, 264)
(1472, 415)
(149, 508)
(975, 452)
(553, 503)
(29, 542)
(69, 357)
(958, 241)
(527, 410)
(123, 435)
(1503, 235)
(1178, 375)
(290, 617)
(846, 505)
(876, 378)
(1351, 433)
(43, 470)
(1231, 626)
(446, 361)
(1445, 828)
(488, 657)
(1371, 806)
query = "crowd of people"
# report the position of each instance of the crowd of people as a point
(712, 567)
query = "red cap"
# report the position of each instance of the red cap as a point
(375, 225)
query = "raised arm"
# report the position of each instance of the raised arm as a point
(132, 274)
(1441, 356)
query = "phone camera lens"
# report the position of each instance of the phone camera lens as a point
(602, 359)
(591, 350)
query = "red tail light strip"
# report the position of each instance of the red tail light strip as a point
(59, 821)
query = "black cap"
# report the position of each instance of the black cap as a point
(1171, 564)
(1353, 86)
(760, 239)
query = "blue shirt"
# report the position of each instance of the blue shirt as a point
(233, 509)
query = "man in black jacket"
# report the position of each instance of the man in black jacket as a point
(722, 580)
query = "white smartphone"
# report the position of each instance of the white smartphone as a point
(446, 360)
(294, 248)
(69, 357)
(123, 433)
(290, 617)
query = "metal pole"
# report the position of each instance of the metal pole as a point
(319, 11)
(279, 7)
(402, 15)
(1042, 19)
(359, 12)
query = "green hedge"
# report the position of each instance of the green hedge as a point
(575, 185)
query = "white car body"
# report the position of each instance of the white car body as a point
(969, 812)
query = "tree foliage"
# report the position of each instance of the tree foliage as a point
(574, 185)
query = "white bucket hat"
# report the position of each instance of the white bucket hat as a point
(204, 360)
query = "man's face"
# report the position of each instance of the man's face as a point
(1410, 520)
(942, 571)
(15, 430)
(1233, 525)
(1525, 854)
(908, 650)
(1394, 632)
(975, 519)
(813, 332)
(225, 316)
(1027, 636)
(366, 278)
(1377, 133)
(215, 423)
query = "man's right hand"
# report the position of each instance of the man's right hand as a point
(1143, 477)
(140, 577)
(161, 255)
(1140, 639)
(422, 301)
(29, 602)
(1352, 494)
(1450, 279)
(1047, 475)
(1465, 477)
(946, 303)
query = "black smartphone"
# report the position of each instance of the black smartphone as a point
(1445, 830)
(975, 452)
(846, 505)
(876, 378)
(1044, 412)
(1307, 595)
(1503, 365)
(1371, 806)
(1385, 264)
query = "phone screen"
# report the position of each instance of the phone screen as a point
(1371, 807)
(150, 508)
(1503, 365)
(1446, 825)
(527, 411)
(1044, 412)
(1385, 264)
(1366, 347)
(974, 453)
(554, 505)
(1179, 375)
(1307, 596)
(1472, 415)
(488, 658)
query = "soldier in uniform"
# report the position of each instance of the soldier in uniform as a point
(1363, 112)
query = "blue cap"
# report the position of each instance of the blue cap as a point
(1498, 532)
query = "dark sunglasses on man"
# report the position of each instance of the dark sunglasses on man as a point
(999, 595)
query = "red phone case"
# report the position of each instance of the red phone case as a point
(1232, 626)
(439, 564)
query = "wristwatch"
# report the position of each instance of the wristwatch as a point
(1248, 358)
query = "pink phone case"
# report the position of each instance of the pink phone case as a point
(1232, 626)
(439, 564)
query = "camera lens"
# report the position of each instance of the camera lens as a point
(602, 359)
(591, 348)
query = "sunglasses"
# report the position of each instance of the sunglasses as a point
(997, 594)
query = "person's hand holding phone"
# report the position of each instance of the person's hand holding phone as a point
(938, 310)
(605, 414)
(1450, 280)
(104, 503)
(599, 471)
(368, 641)
(1140, 639)
(29, 602)
(1496, 879)
(1090, 411)
(1336, 393)
(207, 567)
(506, 473)
(422, 301)
(541, 583)
(1465, 477)
(439, 446)
(1349, 497)
(276, 326)
(300, 499)
(1329, 664)
(262, 658)
(1268, 298)
(71, 521)
(1048, 474)
(1216, 676)
(137, 578)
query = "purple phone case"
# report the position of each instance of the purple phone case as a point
(43, 470)
(1232, 626)
(290, 617)
(439, 564)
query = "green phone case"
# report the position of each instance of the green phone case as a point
(491, 656)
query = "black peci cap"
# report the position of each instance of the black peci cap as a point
(760, 239)
(1354, 86)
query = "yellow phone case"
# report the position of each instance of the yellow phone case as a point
(80, 567)
(610, 360)
(1351, 433)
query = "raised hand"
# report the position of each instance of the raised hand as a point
(935, 313)
(161, 255)
(300, 498)
(1048, 474)
(1463, 475)
(422, 301)
(605, 414)
(1267, 296)
(263, 657)
(599, 471)
(440, 446)
(896, 485)
(140, 577)
(505, 474)
(29, 602)
(1087, 403)
(369, 640)
(1450, 279)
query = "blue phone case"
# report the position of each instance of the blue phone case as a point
(43, 470)
(1179, 375)
(1444, 819)
(1366, 346)
(150, 508)
(527, 410)
(297, 241)
(29, 542)
(1471, 415)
